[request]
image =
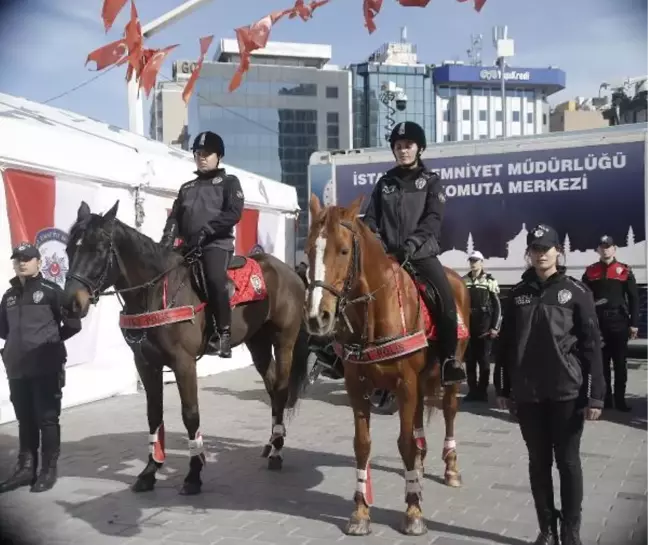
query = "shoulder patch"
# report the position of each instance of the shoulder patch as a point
(50, 285)
(582, 287)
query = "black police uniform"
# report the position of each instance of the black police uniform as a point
(34, 327)
(549, 364)
(406, 212)
(204, 214)
(485, 315)
(617, 305)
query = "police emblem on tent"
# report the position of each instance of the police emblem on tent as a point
(51, 243)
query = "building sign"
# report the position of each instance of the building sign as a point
(496, 74)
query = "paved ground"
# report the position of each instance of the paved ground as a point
(243, 503)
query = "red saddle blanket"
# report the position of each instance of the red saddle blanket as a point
(428, 320)
(248, 282)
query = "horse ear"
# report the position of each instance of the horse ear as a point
(112, 213)
(83, 212)
(315, 206)
(354, 208)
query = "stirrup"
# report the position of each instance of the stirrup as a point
(452, 372)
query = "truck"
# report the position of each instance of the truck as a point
(586, 184)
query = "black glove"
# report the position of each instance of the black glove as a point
(405, 252)
(199, 240)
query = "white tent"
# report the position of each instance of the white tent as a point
(51, 160)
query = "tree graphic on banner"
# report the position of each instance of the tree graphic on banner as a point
(470, 246)
(566, 245)
(630, 238)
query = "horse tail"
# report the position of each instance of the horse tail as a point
(299, 369)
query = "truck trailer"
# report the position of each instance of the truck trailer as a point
(586, 184)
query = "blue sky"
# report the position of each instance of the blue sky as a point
(44, 43)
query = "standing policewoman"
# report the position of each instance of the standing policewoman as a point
(550, 373)
(406, 212)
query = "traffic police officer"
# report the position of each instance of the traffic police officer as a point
(204, 215)
(34, 327)
(485, 321)
(617, 303)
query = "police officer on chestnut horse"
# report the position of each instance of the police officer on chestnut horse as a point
(204, 215)
(408, 222)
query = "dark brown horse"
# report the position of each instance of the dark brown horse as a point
(164, 321)
(385, 336)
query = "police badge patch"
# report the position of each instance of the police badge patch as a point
(38, 296)
(619, 270)
(420, 183)
(564, 296)
(441, 196)
(51, 243)
(538, 233)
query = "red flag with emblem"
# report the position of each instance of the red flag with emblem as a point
(134, 39)
(305, 12)
(152, 67)
(371, 10)
(479, 4)
(110, 10)
(108, 54)
(204, 46)
(414, 3)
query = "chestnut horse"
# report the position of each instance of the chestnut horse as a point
(384, 334)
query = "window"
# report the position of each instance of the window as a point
(483, 115)
(446, 115)
(332, 117)
(483, 136)
(530, 118)
(446, 138)
(333, 143)
(466, 137)
(498, 115)
(516, 117)
(544, 119)
(331, 92)
(466, 115)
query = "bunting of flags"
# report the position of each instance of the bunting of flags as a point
(144, 64)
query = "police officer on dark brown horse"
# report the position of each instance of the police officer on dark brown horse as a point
(204, 215)
(406, 213)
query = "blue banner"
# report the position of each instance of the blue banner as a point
(584, 192)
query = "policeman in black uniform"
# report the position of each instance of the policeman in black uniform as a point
(406, 212)
(549, 364)
(617, 303)
(485, 321)
(204, 214)
(34, 327)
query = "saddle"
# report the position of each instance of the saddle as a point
(428, 294)
(198, 279)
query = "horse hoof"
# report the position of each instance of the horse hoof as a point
(144, 484)
(266, 451)
(190, 488)
(358, 527)
(275, 463)
(453, 480)
(414, 526)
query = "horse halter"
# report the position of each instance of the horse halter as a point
(342, 295)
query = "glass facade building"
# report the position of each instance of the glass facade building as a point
(284, 110)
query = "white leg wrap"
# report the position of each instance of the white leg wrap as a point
(276, 453)
(449, 444)
(196, 446)
(361, 481)
(153, 437)
(419, 433)
(278, 430)
(412, 483)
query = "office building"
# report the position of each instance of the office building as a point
(578, 115)
(290, 104)
(469, 100)
(390, 87)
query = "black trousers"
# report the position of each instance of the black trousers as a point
(615, 348)
(431, 270)
(478, 356)
(37, 404)
(216, 261)
(554, 429)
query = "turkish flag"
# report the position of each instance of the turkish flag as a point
(371, 9)
(110, 10)
(204, 46)
(152, 67)
(108, 54)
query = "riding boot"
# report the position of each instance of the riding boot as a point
(619, 399)
(24, 473)
(548, 529)
(570, 532)
(225, 339)
(48, 474)
(452, 372)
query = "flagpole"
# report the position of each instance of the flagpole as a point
(135, 102)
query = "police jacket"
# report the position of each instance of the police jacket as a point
(406, 207)
(550, 344)
(485, 307)
(34, 328)
(211, 204)
(615, 293)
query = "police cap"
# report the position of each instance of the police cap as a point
(408, 130)
(606, 241)
(209, 141)
(25, 251)
(543, 235)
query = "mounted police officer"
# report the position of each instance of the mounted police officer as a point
(35, 328)
(617, 304)
(406, 212)
(485, 321)
(204, 215)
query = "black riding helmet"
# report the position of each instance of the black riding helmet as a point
(209, 141)
(408, 130)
